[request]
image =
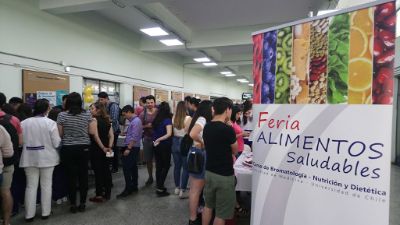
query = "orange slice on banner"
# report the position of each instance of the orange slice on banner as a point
(362, 19)
(358, 42)
(355, 97)
(360, 74)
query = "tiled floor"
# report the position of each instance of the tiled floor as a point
(145, 208)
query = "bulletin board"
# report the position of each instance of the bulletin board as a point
(161, 95)
(139, 92)
(188, 94)
(176, 96)
(44, 85)
(203, 97)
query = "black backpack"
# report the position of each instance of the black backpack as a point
(5, 121)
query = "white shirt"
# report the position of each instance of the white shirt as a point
(41, 138)
(180, 132)
(202, 122)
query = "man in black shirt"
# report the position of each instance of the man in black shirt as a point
(220, 145)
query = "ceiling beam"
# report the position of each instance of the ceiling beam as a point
(72, 6)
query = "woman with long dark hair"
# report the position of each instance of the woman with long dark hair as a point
(74, 126)
(162, 138)
(39, 157)
(202, 116)
(240, 134)
(247, 120)
(181, 124)
(99, 160)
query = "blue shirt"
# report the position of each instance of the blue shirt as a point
(113, 110)
(134, 132)
(161, 130)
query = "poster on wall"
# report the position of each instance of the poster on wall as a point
(30, 99)
(323, 94)
(51, 96)
(60, 94)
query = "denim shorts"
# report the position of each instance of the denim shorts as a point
(202, 174)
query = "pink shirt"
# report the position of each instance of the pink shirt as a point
(14, 121)
(240, 141)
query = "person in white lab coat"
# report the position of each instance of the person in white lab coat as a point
(39, 157)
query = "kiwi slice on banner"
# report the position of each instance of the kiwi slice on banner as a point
(281, 33)
(282, 82)
(287, 41)
(287, 66)
(280, 56)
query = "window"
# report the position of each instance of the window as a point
(111, 88)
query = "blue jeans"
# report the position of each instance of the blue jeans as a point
(180, 162)
(129, 165)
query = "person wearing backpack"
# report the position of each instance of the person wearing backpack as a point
(114, 111)
(13, 127)
(6, 148)
(202, 116)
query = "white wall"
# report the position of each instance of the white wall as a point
(89, 41)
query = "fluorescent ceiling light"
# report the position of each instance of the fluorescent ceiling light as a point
(225, 72)
(210, 64)
(204, 59)
(230, 75)
(251, 85)
(154, 31)
(171, 42)
(322, 12)
(243, 80)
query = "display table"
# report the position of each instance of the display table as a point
(120, 141)
(243, 171)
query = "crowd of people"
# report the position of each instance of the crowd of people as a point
(57, 146)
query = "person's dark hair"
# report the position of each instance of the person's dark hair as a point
(164, 112)
(195, 101)
(220, 105)
(15, 100)
(64, 97)
(235, 110)
(41, 106)
(151, 97)
(24, 111)
(8, 109)
(102, 95)
(188, 98)
(102, 112)
(128, 108)
(53, 114)
(143, 100)
(204, 110)
(247, 105)
(74, 104)
(3, 100)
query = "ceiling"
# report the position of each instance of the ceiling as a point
(219, 29)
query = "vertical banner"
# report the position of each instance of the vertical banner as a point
(323, 93)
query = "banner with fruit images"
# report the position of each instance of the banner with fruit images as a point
(323, 94)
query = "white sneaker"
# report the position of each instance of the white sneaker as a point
(65, 199)
(183, 194)
(177, 190)
(59, 201)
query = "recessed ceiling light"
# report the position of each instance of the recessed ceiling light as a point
(323, 12)
(210, 64)
(226, 72)
(154, 31)
(251, 85)
(243, 80)
(171, 42)
(230, 75)
(204, 59)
